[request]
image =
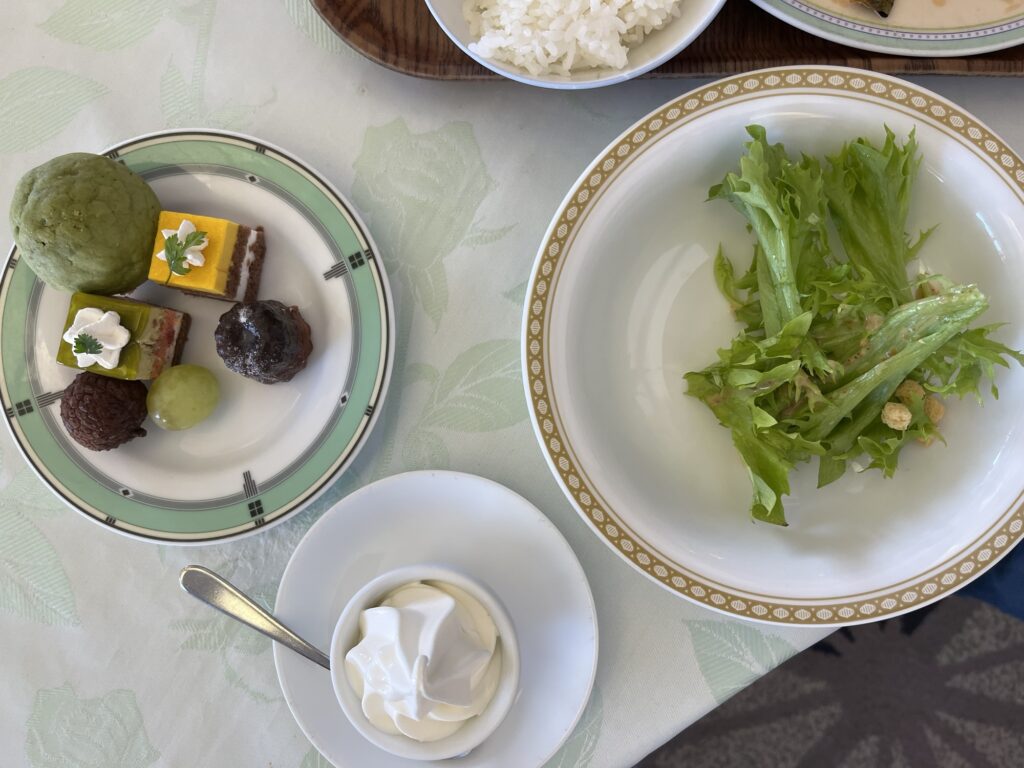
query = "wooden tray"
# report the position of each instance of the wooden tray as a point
(402, 35)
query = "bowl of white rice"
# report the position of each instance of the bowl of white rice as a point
(573, 44)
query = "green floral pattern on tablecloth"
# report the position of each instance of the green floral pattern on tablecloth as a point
(432, 185)
(517, 293)
(732, 654)
(184, 100)
(105, 25)
(242, 652)
(308, 20)
(580, 748)
(37, 103)
(427, 187)
(33, 583)
(66, 731)
(481, 391)
(314, 759)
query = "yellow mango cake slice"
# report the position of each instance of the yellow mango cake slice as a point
(208, 256)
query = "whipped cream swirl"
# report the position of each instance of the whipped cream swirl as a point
(104, 328)
(428, 660)
(193, 255)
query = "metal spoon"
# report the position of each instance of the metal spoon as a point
(203, 584)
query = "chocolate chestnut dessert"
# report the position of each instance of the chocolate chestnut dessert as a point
(101, 413)
(265, 340)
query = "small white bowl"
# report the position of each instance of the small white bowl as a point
(477, 729)
(656, 48)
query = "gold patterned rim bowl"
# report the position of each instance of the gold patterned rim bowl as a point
(622, 302)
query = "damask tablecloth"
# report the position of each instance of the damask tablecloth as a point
(104, 662)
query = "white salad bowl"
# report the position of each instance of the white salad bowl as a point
(477, 729)
(656, 48)
(622, 302)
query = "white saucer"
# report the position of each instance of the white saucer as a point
(483, 529)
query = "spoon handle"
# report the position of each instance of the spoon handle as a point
(203, 584)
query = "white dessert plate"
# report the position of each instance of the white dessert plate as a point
(268, 450)
(483, 530)
(912, 28)
(622, 302)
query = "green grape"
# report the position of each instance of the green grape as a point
(182, 396)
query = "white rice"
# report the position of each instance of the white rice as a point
(562, 36)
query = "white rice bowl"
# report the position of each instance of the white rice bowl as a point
(558, 37)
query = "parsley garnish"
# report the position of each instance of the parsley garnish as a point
(86, 345)
(175, 250)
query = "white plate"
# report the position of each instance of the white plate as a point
(656, 48)
(482, 529)
(267, 450)
(622, 303)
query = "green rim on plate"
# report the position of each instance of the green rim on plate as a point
(350, 265)
(869, 32)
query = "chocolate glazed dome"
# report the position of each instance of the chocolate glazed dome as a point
(265, 340)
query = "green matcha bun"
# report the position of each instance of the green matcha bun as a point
(85, 223)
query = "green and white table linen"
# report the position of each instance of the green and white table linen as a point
(104, 662)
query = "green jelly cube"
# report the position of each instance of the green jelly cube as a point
(134, 317)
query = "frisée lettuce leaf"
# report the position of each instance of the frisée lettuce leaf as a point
(843, 355)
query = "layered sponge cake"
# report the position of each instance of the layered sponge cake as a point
(208, 256)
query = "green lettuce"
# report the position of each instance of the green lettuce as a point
(842, 356)
(868, 191)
